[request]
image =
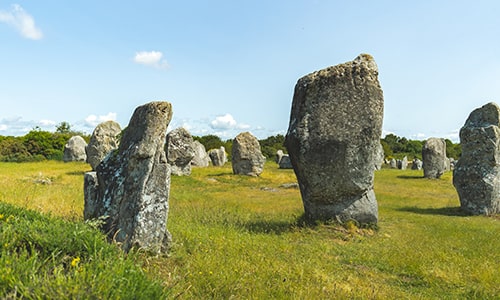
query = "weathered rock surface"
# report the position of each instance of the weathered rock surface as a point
(246, 157)
(104, 139)
(74, 150)
(279, 155)
(180, 151)
(333, 140)
(434, 157)
(476, 175)
(130, 188)
(201, 158)
(218, 156)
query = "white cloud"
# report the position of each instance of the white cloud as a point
(227, 122)
(151, 59)
(93, 120)
(18, 18)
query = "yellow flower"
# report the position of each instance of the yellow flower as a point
(1, 216)
(75, 261)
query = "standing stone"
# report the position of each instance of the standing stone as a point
(476, 176)
(201, 158)
(416, 164)
(434, 157)
(104, 139)
(285, 162)
(130, 188)
(333, 140)
(74, 150)
(279, 155)
(247, 158)
(393, 163)
(180, 152)
(403, 163)
(218, 156)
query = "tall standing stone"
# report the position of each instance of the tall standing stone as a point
(180, 151)
(201, 158)
(246, 156)
(334, 138)
(434, 157)
(74, 150)
(476, 176)
(130, 188)
(104, 139)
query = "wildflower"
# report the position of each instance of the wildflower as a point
(75, 261)
(1, 216)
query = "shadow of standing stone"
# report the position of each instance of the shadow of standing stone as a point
(130, 188)
(333, 140)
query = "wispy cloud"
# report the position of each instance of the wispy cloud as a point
(16, 126)
(151, 59)
(23, 22)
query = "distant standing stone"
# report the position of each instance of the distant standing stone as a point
(393, 163)
(333, 140)
(434, 157)
(403, 163)
(180, 151)
(130, 188)
(416, 164)
(279, 155)
(201, 158)
(218, 156)
(74, 150)
(104, 139)
(285, 162)
(476, 175)
(246, 157)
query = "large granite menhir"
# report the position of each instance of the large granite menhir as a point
(476, 176)
(333, 140)
(130, 188)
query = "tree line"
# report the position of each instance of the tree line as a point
(39, 145)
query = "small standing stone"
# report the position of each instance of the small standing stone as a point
(218, 156)
(434, 157)
(246, 157)
(416, 164)
(74, 150)
(104, 139)
(180, 151)
(285, 162)
(201, 158)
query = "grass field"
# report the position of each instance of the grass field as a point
(238, 237)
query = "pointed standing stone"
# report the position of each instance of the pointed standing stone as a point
(130, 188)
(333, 140)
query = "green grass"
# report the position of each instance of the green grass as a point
(239, 237)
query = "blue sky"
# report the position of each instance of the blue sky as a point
(231, 66)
